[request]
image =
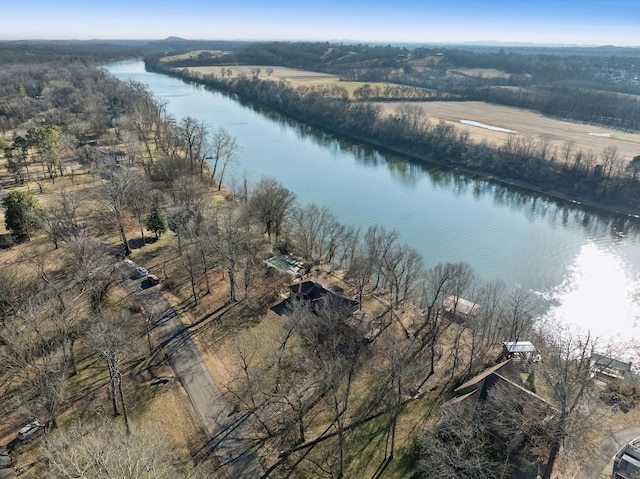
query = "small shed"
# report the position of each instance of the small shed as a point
(460, 307)
(520, 350)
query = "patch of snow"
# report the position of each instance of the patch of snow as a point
(487, 127)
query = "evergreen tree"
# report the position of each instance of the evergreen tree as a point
(23, 214)
(156, 221)
(530, 383)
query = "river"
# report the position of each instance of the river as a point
(566, 253)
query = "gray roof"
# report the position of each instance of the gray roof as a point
(607, 362)
(520, 347)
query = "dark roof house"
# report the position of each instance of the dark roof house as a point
(498, 390)
(315, 293)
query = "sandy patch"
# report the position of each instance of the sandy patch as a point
(487, 127)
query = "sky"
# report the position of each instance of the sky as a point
(573, 22)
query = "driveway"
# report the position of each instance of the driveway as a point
(600, 465)
(228, 433)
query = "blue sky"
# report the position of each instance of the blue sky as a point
(583, 22)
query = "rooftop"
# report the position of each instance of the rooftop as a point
(519, 347)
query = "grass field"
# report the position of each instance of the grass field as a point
(527, 124)
(481, 72)
(291, 75)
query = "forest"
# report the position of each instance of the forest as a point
(98, 178)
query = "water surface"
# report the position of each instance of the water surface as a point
(568, 254)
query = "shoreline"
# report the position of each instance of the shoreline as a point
(581, 202)
(619, 210)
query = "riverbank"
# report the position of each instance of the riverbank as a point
(552, 193)
(586, 188)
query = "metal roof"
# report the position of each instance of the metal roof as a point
(520, 347)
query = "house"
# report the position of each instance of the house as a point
(610, 367)
(460, 307)
(88, 139)
(316, 293)
(520, 350)
(511, 415)
(111, 158)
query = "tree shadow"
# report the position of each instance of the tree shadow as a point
(138, 243)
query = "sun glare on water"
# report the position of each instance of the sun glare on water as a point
(598, 295)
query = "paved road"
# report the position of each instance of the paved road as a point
(6, 471)
(227, 432)
(600, 466)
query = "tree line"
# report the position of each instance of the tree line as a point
(575, 84)
(584, 175)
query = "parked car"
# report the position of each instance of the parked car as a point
(153, 279)
(28, 430)
(128, 262)
(141, 272)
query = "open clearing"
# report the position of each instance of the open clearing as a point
(480, 72)
(291, 75)
(279, 73)
(527, 124)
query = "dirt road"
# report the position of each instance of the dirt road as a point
(227, 432)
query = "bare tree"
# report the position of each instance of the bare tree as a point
(308, 226)
(100, 451)
(441, 281)
(62, 222)
(520, 311)
(108, 338)
(377, 242)
(232, 243)
(31, 357)
(459, 448)
(359, 273)
(224, 150)
(139, 201)
(568, 374)
(114, 196)
(195, 137)
(271, 203)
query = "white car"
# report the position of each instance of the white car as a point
(28, 430)
(140, 272)
(128, 262)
